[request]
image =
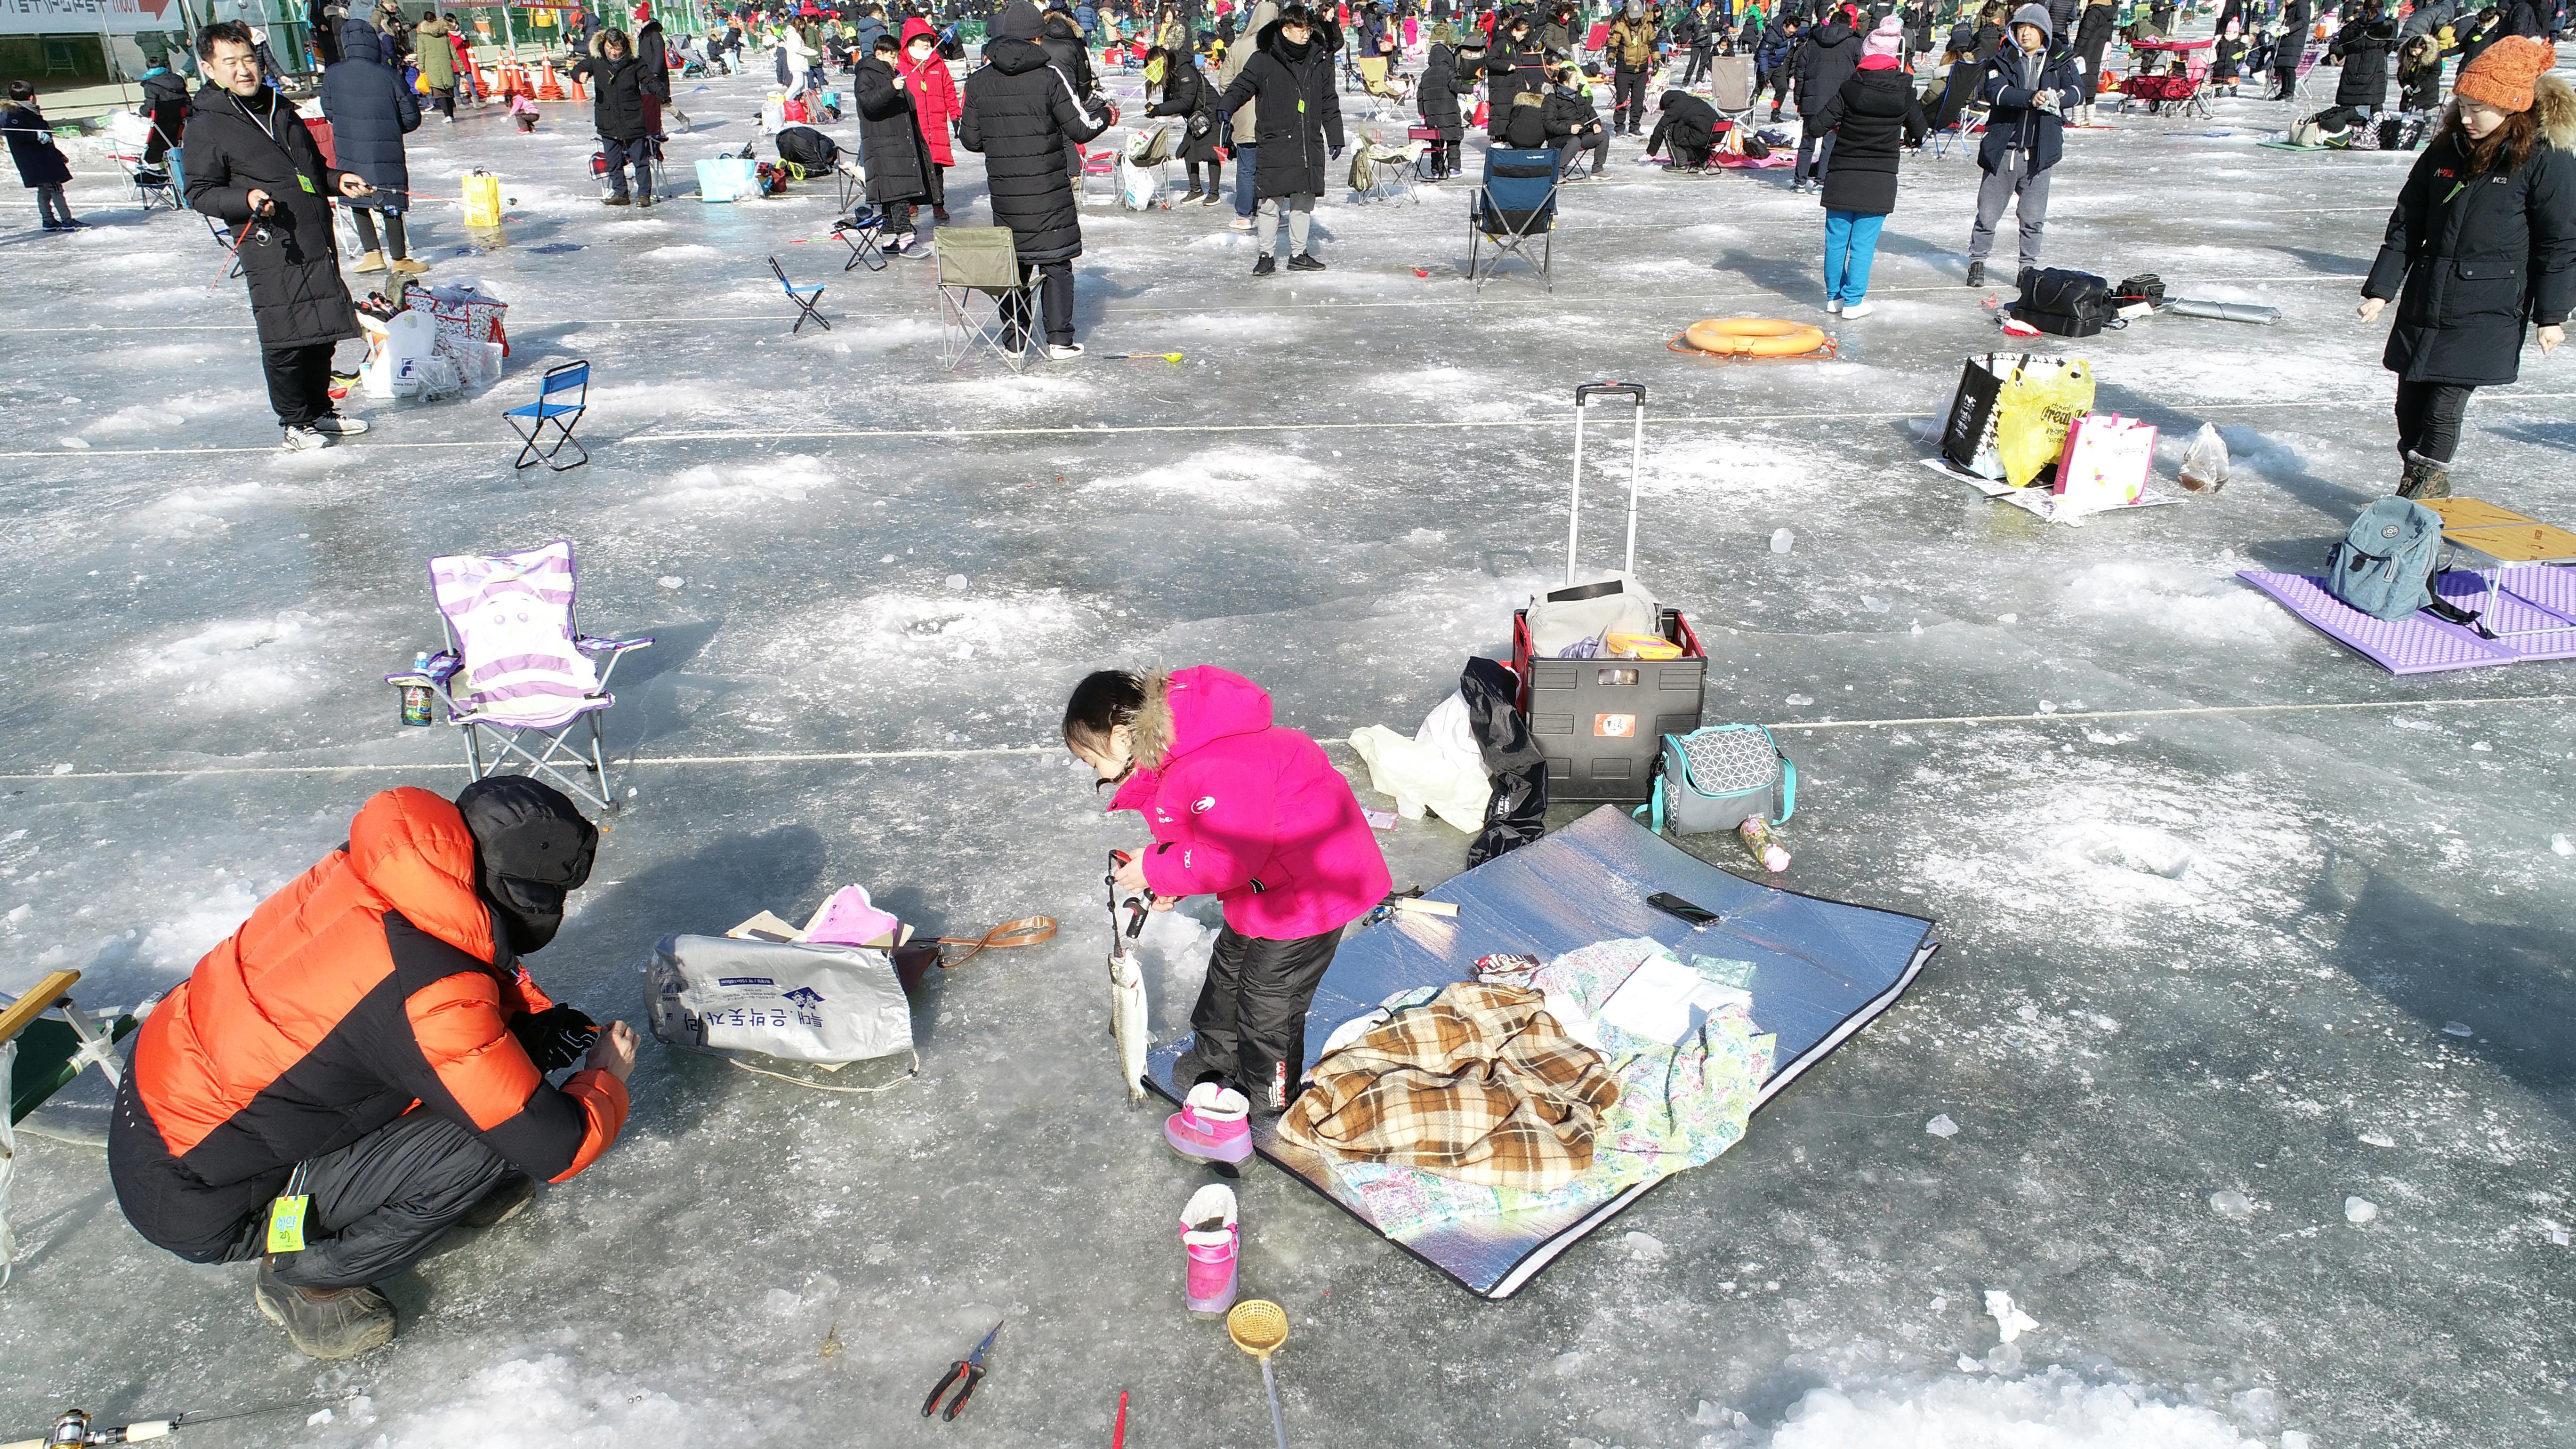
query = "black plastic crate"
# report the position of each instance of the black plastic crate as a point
(1601, 721)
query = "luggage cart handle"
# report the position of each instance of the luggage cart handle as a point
(1635, 392)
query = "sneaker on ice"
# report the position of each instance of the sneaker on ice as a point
(1834, 306)
(1211, 1241)
(1213, 1125)
(343, 426)
(1240, 223)
(1857, 310)
(304, 440)
(1305, 262)
(1063, 351)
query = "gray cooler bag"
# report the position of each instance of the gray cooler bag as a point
(1711, 779)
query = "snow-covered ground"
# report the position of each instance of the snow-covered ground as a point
(2205, 976)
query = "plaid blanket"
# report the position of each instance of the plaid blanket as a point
(1477, 1084)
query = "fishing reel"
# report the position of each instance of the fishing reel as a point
(73, 1426)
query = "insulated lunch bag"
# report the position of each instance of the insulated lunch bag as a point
(1713, 778)
(2388, 560)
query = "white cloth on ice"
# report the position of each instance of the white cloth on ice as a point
(1449, 730)
(1419, 775)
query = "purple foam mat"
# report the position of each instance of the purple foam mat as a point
(2422, 644)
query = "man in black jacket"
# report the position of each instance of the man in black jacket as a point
(1023, 114)
(252, 165)
(2028, 90)
(1291, 76)
(617, 105)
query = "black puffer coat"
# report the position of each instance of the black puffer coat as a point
(1191, 96)
(31, 146)
(2480, 257)
(370, 111)
(1019, 111)
(1688, 125)
(890, 139)
(2363, 46)
(165, 100)
(2092, 41)
(236, 145)
(1510, 69)
(1832, 53)
(1436, 97)
(653, 52)
(616, 94)
(1299, 109)
(1066, 52)
(1874, 113)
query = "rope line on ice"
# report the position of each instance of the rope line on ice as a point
(831, 756)
(1109, 430)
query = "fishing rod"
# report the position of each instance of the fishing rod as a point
(74, 1426)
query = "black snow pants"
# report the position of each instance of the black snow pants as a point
(1251, 1016)
(379, 1204)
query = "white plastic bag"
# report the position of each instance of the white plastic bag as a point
(783, 999)
(1565, 617)
(2204, 463)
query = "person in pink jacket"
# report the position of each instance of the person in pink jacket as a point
(934, 101)
(1252, 813)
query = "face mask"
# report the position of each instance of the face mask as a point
(921, 52)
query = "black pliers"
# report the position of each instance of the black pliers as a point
(971, 1369)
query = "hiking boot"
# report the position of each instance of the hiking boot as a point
(303, 440)
(1263, 265)
(1214, 1125)
(2425, 478)
(339, 426)
(616, 201)
(939, 213)
(407, 266)
(1211, 1240)
(1976, 274)
(325, 1324)
(371, 261)
(644, 200)
(1304, 262)
(513, 1192)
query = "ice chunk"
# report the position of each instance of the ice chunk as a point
(1644, 1245)
(1942, 1126)
(1782, 540)
(2379, 1139)
(2562, 845)
(670, 581)
(1969, 1365)
(2359, 1210)
(2293, 1439)
(956, 581)
(2458, 1028)
(2010, 1321)
(2231, 1204)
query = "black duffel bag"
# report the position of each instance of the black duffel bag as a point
(2066, 303)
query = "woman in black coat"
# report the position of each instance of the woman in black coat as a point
(1689, 125)
(1832, 54)
(617, 93)
(2093, 29)
(896, 153)
(251, 140)
(2483, 238)
(1515, 63)
(370, 111)
(1189, 94)
(1290, 76)
(1448, 72)
(2362, 47)
(1022, 114)
(1874, 113)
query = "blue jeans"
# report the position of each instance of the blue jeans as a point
(1851, 244)
(1245, 202)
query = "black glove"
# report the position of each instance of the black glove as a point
(1337, 153)
(556, 1037)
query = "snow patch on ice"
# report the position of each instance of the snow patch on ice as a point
(2174, 601)
(1747, 468)
(682, 252)
(236, 666)
(1227, 474)
(2054, 1410)
(207, 508)
(788, 480)
(177, 945)
(161, 414)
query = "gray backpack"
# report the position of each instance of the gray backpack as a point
(2387, 564)
(1713, 778)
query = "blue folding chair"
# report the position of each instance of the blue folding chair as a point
(803, 297)
(530, 421)
(1513, 207)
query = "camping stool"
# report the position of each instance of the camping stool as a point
(39, 1056)
(986, 260)
(853, 179)
(516, 665)
(1514, 206)
(151, 183)
(803, 297)
(861, 231)
(530, 421)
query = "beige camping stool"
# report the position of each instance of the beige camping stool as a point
(979, 267)
(2507, 541)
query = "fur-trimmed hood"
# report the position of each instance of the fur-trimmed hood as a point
(2553, 101)
(1186, 709)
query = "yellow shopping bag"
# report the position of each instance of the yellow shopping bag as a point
(2033, 410)
(482, 199)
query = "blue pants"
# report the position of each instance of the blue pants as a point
(1851, 244)
(1246, 201)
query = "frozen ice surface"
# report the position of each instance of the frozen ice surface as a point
(2182, 953)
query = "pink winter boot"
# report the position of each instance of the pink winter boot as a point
(1214, 1125)
(1210, 1239)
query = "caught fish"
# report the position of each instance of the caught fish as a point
(1127, 1014)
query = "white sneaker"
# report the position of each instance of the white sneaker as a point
(303, 440)
(334, 423)
(1833, 306)
(1857, 309)
(1240, 223)
(1063, 351)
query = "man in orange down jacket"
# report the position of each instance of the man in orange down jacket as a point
(369, 1043)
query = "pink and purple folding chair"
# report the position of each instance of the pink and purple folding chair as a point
(516, 665)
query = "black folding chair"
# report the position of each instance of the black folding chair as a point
(1515, 205)
(530, 421)
(861, 231)
(803, 297)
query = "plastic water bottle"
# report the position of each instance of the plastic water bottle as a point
(1766, 847)
(1781, 538)
(415, 695)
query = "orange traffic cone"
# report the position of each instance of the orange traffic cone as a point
(548, 88)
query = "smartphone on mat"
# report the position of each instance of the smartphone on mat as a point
(1673, 905)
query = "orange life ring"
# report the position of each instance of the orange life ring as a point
(1755, 336)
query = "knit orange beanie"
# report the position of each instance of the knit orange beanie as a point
(2502, 76)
